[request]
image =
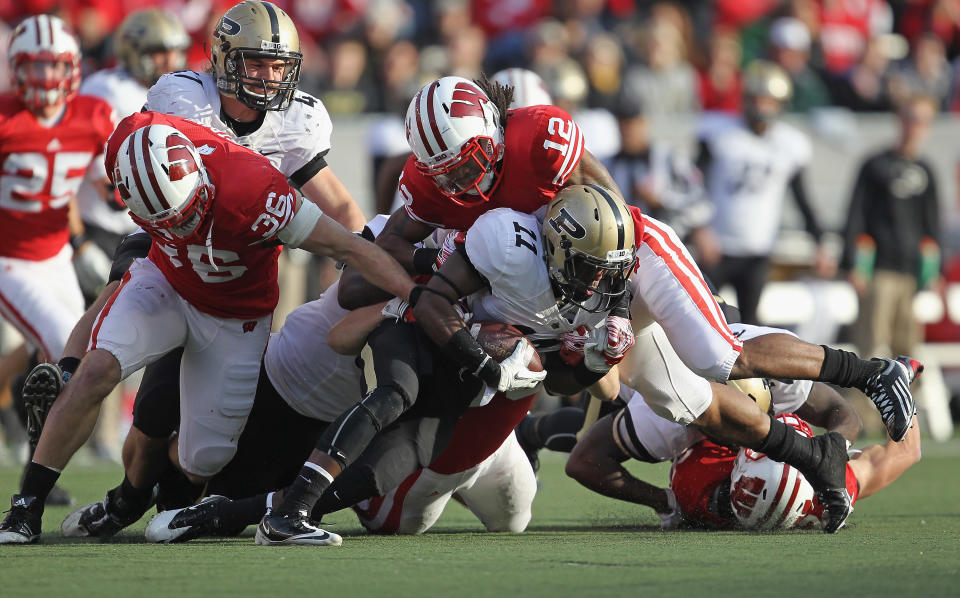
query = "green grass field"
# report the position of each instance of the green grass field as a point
(904, 541)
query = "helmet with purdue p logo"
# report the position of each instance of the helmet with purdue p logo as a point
(589, 238)
(256, 30)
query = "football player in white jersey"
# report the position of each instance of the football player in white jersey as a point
(571, 271)
(148, 44)
(748, 165)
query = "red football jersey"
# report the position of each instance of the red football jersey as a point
(697, 474)
(542, 147)
(224, 269)
(480, 432)
(42, 170)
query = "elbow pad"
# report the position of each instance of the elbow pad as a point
(301, 225)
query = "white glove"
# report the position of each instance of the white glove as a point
(514, 374)
(671, 520)
(92, 267)
(397, 309)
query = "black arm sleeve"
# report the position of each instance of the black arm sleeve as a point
(130, 248)
(703, 158)
(799, 191)
(308, 170)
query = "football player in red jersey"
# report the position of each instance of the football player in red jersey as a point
(209, 284)
(49, 137)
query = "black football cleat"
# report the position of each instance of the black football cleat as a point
(829, 479)
(41, 388)
(101, 519)
(22, 523)
(278, 529)
(889, 390)
(182, 525)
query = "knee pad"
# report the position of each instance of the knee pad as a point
(207, 460)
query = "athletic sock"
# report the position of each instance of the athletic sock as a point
(238, 514)
(68, 367)
(346, 491)
(527, 432)
(126, 499)
(784, 444)
(559, 428)
(38, 480)
(305, 491)
(846, 370)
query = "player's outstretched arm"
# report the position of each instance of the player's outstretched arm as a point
(328, 192)
(327, 237)
(827, 409)
(879, 465)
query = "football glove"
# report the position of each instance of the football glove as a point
(453, 240)
(571, 351)
(514, 374)
(608, 344)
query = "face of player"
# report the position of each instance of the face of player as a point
(760, 111)
(472, 174)
(267, 70)
(45, 82)
(168, 61)
(915, 122)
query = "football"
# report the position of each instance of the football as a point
(499, 340)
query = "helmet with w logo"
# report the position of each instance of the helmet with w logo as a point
(590, 243)
(766, 494)
(455, 133)
(44, 61)
(161, 179)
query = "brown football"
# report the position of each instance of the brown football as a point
(499, 340)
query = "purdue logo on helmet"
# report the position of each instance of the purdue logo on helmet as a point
(161, 179)
(590, 244)
(146, 32)
(250, 30)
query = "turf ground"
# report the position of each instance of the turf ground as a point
(903, 541)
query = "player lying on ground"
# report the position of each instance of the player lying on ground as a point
(189, 206)
(637, 432)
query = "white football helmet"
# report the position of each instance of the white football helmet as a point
(528, 88)
(162, 180)
(44, 59)
(456, 135)
(766, 494)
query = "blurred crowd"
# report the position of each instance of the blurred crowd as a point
(371, 55)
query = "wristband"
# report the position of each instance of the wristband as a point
(466, 351)
(424, 259)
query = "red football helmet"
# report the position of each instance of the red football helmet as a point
(44, 59)
(161, 179)
(456, 135)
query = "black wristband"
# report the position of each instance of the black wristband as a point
(420, 289)
(424, 260)
(466, 351)
(77, 240)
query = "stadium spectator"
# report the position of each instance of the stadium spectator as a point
(925, 72)
(603, 63)
(864, 87)
(844, 26)
(790, 49)
(664, 81)
(892, 236)
(720, 83)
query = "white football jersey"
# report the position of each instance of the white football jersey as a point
(312, 378)
(786, 396)
(505, 247)
(290, 139)
(748, 179)
(126, 95)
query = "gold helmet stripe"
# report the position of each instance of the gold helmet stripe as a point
(274, 22)
(616, 213)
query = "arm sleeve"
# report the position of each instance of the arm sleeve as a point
(799, 190)
(855, 225)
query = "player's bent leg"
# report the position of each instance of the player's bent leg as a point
(501, 494)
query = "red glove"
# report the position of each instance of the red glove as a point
(572, 350)
(453, 240)
(608, 344)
